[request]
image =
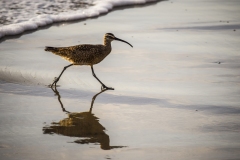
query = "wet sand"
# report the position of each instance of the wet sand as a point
(176, 92)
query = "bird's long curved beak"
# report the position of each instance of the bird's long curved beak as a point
(122, 41)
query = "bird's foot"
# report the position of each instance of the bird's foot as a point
(53, 84)
(107, 88)
(55, 80)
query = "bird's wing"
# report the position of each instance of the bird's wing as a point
(84, 53)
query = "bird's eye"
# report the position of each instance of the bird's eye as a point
(110, 37)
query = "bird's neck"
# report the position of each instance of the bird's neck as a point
(106, 42)
(107, 45)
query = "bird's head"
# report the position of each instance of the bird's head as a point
(110, 37)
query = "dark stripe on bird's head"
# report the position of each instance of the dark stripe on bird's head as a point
(110, 34)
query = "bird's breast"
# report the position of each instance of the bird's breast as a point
(99, 57)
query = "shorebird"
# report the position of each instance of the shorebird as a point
(85, 54)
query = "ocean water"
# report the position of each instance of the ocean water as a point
(17, 16)
(17, 11)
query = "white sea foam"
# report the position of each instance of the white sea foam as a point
(35, 13)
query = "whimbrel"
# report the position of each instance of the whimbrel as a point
(85, 54)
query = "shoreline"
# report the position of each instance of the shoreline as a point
(115, 8)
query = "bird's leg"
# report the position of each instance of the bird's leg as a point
(57, 79)
(103, 85)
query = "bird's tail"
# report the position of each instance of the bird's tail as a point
(51, 49)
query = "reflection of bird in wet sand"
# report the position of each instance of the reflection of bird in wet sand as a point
(85, 54)
(84, 125)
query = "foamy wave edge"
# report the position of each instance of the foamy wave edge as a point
(100, 7)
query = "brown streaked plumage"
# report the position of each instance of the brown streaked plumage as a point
(85, 54)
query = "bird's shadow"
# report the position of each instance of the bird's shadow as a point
(84, 125)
